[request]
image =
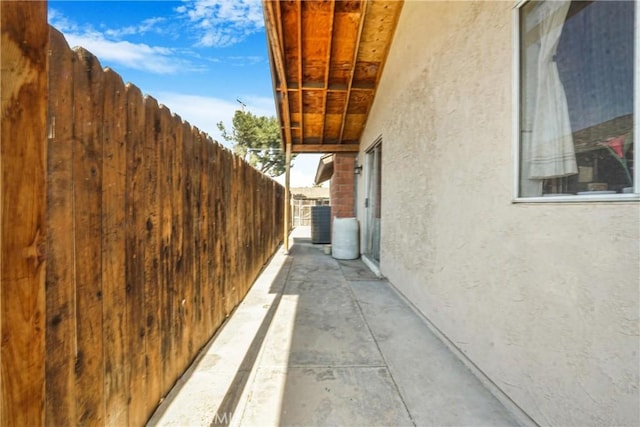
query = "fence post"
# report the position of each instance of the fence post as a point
(287, 196)
(23, 138)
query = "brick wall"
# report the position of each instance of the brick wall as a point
(342, 185)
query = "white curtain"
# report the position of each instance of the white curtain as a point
(551, 151)
(529, 187)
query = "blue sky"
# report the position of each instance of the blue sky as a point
(197, 57)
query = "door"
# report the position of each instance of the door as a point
(373, 202)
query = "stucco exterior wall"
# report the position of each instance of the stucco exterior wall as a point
(543, 298)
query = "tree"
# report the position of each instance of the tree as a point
(257, 140)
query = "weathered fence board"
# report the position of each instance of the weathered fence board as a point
(87, 163)
(113, 250)
(188, 248)
(154, 233)
(61, 305)
(23, 168)
(134, 268)
(196, 167)
(166, 282)
(178, 327)
(150, 212)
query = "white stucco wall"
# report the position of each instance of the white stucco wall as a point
(543, 298)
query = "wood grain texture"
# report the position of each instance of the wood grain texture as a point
(154, 234)
(114, 163)
(151, 243)
(205, 259)
(134, 268)
(23, 81)
(177, 243)
(188, 247)
(166, 280)
(60, 289)
(320, 47)
(196, 223)
(87, 163)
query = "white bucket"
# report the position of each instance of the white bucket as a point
(345, 240)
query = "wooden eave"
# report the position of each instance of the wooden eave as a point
(327, 58)
(325, 169)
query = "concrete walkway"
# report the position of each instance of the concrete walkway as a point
(323, 342)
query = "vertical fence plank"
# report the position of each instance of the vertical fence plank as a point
(218, 257)
(177, 220)
(188, 256)
(234, 187)
(167, 297)
(87, 163)
(228, 178)
(134, 268)
(197, 239)
(113, 251)
(243, 228)
(150, 210)
(155, 235)
(61, 305)
(204, 240)
(237, 231)
(211, 240)
(23, 81)
(221, 203)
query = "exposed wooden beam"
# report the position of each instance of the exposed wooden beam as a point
(387, 49)
(326, 148)
(315, 26)
(327, 70)
(300, 64)
(353, 67)
(278, 12)
(276, 54)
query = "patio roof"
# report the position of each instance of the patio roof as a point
(326, 60)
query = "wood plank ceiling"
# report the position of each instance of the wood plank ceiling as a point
(327, 58)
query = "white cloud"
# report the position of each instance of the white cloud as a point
(137, 56)
(61, 22)
(108, 47)
(221, 23)
(144, 27)
(216, 22)
(241, 61)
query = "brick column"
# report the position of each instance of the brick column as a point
(343, 185)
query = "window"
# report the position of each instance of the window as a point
(576, 99)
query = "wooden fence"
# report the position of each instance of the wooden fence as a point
(153, 234)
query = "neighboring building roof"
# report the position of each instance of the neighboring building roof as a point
(312, 193)
(325, 169)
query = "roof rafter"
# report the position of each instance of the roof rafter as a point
(327, 71)
(326, 148)
(277, 54)
(353, 69)
(300, 65)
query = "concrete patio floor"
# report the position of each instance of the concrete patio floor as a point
(324, 342)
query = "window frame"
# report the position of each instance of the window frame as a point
(516, 88)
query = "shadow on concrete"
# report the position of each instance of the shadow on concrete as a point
(319, 342)
(231, 399)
